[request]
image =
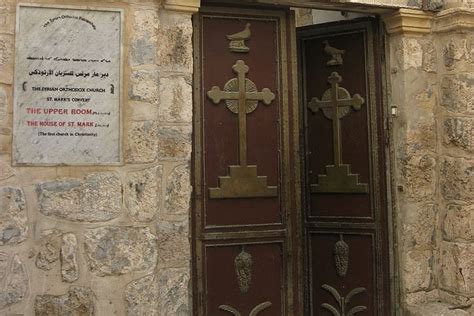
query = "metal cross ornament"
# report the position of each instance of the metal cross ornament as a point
(241, 97)
(336, 103)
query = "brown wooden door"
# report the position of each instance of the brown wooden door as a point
(345, 220)
(245, 163)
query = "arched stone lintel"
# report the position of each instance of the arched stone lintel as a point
(190, 6)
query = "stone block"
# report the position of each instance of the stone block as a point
(96, 198)
(13, 216)
(430, 61)
(458, 132)
(7, 16)
(457, 179)
(3, 105)
(77, 301)
(178, 191)
(142, 297)
(457, 267)
(6, 171)
(456, 93)
(14, 280)
(419, 223)
(174, 142)
(49, 251)
(114, 250)
(409, 53)
(173, 241)
(459, 222)
(455, 51)
(175, 41)
(176, 100)
(144, 193)
(417, 270)
(142, 144)
(419, 175)
(144, 85)
(143, 44)
(6, 58)
(69, 266)
(142, 111)
(434, 309)
(173, 294)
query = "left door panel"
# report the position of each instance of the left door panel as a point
(246, 204)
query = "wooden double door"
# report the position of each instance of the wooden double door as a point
(289, 213)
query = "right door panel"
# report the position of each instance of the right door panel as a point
(346, 235)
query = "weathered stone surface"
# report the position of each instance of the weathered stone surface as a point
(144, 85)
(459, 222)
(142, 297)
(438, 309)
(13, 218)
(409, 53)
(6, 58)
(69, 266)
(419, 225)
(417, 270)
(457, 267)
(454, 51)
(144, 193)
(422, 297)
(13, 278)
(97, 198)
(49, 250)
(78, 301)
(457, 92)
(142, 142)
(458, 132)
(3, 104)
(173, 241)
(419, 175)
(175, 100)
(430, 62)
(457, 179)
(143, 46)
(173, 285)
(118, 250)
(175, 34)
(178, 191)
(174, 142)
(5, 170)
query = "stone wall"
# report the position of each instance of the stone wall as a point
(106, 240)
(432, 86)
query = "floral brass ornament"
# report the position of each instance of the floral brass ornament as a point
(335, 53)
(237, 40)
(341, 256)
(336, 103)
(241, 96)
(254, 312)
(243, 270)
(343, 302)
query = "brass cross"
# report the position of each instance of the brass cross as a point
(242, 96)
(338, 98)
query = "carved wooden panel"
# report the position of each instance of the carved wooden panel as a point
(245, 163)
(346, 228)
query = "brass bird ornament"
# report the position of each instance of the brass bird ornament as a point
(237, 40)
(335, 53)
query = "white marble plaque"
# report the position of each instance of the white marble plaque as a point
(67, 94)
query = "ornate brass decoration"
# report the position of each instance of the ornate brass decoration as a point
(243, 270)
(254, 312)
(335, 104)
(341, 256)
(343, 301)
(242, 180)
(237, 40)
(335, 53)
